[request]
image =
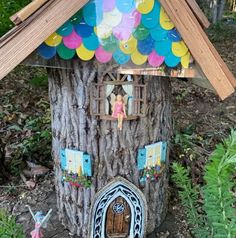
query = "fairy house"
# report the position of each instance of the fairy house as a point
(109, 64)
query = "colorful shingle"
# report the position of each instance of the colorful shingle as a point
(137, 31)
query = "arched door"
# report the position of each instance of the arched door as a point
(118, 218)
(119, 211)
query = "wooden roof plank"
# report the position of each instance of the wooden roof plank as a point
(30, 37)
(222, 64)
(14, 31)
(200, 46)
(27, 11)
(198, 13)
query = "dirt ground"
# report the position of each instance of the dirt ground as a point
(193, 107)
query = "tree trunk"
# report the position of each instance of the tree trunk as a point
(113, 152)
(214, 11)
(221, 8)
(218, 7)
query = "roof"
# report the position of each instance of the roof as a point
(186, 15)
(122, 33)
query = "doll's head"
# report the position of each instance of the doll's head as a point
(119, 98)
(39, 216)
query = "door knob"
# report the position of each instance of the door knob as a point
(127, 218)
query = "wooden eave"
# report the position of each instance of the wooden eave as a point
(188, 18)
(197, 11)
(200, 47)
(20, 42)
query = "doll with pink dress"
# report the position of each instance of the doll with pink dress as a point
(118, 109)
(40, 222)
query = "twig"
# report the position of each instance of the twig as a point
(12, 186)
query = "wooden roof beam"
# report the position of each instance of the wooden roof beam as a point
(27, 11)
(200, 47)
(197, 11)
(29, 38)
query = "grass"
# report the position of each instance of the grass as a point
(8, 226)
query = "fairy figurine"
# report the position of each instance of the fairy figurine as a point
(118, 108)
(40, 222)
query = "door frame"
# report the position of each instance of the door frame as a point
(132, 195)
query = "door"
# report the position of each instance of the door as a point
(118, 219)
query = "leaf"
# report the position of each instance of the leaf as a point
(15, 128)
(40, 170)
(37, 169)
(30, 184)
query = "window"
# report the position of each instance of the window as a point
(103, 95)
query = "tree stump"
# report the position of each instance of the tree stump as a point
(113, 152)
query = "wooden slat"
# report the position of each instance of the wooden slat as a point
(110, 219)
(119, 218)
(217, 56)
(192, 72)
(221, 63)
(29, 38)
(201, 48)
(127, 216)
(27, 11)
(110, 118)
(198, 13)
(14, 31)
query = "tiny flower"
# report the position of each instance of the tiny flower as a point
(158, 167)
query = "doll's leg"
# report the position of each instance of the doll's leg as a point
(120, 121)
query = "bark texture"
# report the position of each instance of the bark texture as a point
(113, 152)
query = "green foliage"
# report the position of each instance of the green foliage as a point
(219, 217)
(231, 16)
(180, 97)
(7, 9)
(189, 198)
(25, 119)
(40, 79)
(36, 144)
(8, 226)
(218, 196)
(188, 144)
(221, 32)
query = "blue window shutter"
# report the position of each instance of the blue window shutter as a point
(141, 158)
(63, 159)
(87, 165)
(163, 151)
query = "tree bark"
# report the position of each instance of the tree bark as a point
(113, 152)
(214, 11)
(221, 8)
(218, 7)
